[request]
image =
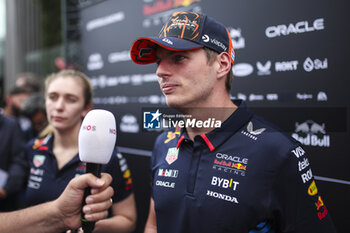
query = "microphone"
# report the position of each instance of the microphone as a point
(97, 137)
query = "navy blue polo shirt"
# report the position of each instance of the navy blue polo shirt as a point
(46, 182)
(246, 176)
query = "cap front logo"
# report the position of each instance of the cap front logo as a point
(166, 40)
(184, 25)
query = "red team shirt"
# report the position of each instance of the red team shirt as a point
(247, 176)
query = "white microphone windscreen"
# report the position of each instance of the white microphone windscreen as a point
(97, 137)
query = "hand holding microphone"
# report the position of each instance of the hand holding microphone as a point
(97, 137)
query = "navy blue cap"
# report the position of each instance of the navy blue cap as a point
(184, 31)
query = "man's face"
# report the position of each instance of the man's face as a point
(15, 102)
(186, 78)
(39, 121)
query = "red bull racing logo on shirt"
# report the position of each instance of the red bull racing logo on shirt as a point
(319, 204)
(230, 164)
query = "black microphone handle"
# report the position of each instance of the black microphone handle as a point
(95, 169)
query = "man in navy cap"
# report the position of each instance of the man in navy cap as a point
(239, 174)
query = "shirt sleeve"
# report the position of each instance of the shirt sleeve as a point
(298, 204)
(153, 161)
(122, 181)
(17, 171)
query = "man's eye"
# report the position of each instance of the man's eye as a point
(179, 58)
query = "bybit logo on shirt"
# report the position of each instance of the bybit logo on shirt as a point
(224, 183)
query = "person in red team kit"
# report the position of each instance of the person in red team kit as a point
(53, 156)
(242, 175)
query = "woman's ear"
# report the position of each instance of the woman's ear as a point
(86, 110)
(224, 65)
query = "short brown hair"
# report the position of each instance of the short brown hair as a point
(211, 55)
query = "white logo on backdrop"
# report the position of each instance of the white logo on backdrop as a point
(129, 124)
(299, 27)
(241, 96)
(286, 66)
(104, 21)
(95, 62)
(119, 56)
(103, 81)
(238, 41)
(242, 69)
(303, 96)
(272, 96)
(256, 97)
(310, 65)
(322, 96)
(263, 69)
(310, 133)
(120, 100)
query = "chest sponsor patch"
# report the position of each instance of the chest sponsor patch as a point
(172, 155)
(38, 160)
(165, 184)
(222, 196)
(33, 185)
(168, 173)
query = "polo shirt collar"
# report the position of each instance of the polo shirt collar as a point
(46, 144)
(230, 126)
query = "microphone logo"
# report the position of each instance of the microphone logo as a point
(89, 127)
(113, 131)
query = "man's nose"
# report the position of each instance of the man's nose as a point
(163, 70)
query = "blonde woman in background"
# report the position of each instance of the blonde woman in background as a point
(53, 157)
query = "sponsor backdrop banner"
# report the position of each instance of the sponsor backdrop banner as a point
(291, 67)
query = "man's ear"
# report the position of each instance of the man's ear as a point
(224, 65)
